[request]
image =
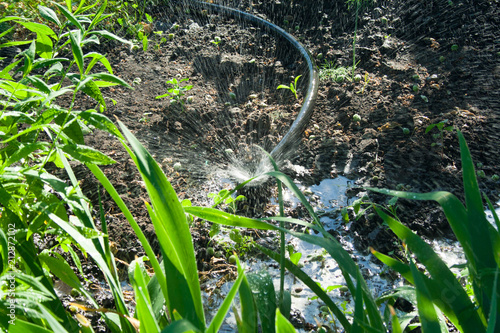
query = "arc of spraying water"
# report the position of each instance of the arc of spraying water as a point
(283, 148)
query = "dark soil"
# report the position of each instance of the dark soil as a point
(399, 44)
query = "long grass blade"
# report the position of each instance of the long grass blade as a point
(173, 232)
(448, 294)
(426, 311)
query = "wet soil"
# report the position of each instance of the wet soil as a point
(412, 76)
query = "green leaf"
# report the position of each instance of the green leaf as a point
(72, 129)
(39, 28)
(110, 35)
(144, 309)
(77, 49)
(95, 58)
(4, 263)
(98, 15)
(449, 295)
(61, 269)
(87, 154)
(49, 15)
(92, 90)
(428, 317)
(262, 288)
(249, 314)
(282, 324)
(70, 16)
(220, 217)
(173, 233)
(100, 121)
(110, 78)
(181, 326)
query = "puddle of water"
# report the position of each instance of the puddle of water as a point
(329, 197)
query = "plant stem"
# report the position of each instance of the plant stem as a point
(354, 41)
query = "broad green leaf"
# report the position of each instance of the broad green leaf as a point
(49, 15)
(92, 90)
(61, 269)
(263, 291)
(43, 46)
(39, 28)
(428, 317)
(249, 315)
(72, 129)
(282, 324)
(173, 233)
(77, 49)
(86, 154)
(100, 121)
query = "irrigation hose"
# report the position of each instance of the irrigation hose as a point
(298, 126)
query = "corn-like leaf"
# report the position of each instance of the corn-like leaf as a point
(144, 309)
(262, 288)
(249, 314)
(110, 78)
(181, 326)
(173, 233)
(22, 326)
(359, 314)
(220, 217)
(4, 263)
(447, 292)
(282, 324)
(426, 311)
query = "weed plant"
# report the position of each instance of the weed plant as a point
(358, 5)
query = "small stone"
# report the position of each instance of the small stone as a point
(177, 166)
